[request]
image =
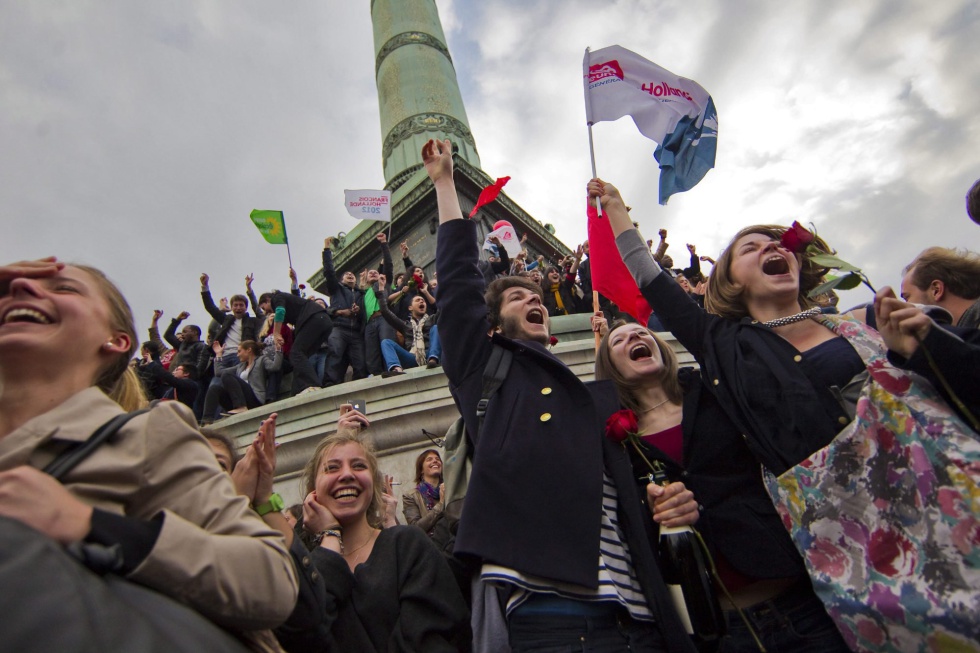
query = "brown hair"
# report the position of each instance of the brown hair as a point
(224, 441)
(724, 296)
(252, 346)
(421, 459)
(495, 294)
(117, 379)
(605, 369)
(959, 270)
(376, 509)
(239, 298)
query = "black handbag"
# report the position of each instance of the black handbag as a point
(67, 600)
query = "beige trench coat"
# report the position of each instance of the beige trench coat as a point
(213, 552)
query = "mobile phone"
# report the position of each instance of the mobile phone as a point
(359, 405)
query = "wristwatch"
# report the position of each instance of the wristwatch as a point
(275, 503)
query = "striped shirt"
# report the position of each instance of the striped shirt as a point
(617, 579)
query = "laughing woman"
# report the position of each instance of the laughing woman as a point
(790, 379)
(682, 425)
(152, 497)
(386, 590)
(424, 505)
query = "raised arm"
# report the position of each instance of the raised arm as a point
(693, 271)
(154, 330)
(438, 159)
(329, 275)
(388, 268)
(386, 313)
(208, 302)
(171, 335)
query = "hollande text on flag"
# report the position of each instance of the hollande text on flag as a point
(674, 111)
(368, 204)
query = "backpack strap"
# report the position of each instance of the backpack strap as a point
(67, 460)
(494, 375)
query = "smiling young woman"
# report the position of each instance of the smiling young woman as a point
(154, 491)
(386, 589)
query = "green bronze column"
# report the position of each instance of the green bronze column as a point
(417, 88)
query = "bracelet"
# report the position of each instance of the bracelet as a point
(274, 504)
(329, 532)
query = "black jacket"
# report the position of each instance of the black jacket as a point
(534, 498)
(298, 309)
(188, 353)
(759, 377)
(342, 297)
(738, 520)
(250, 325)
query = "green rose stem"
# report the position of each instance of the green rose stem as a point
(942, 379)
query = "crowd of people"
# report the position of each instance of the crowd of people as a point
(133, 525)
(375, 323)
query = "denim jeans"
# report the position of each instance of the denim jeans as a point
(319, 363)
(397, 356)
(557, 633)
(793, 622)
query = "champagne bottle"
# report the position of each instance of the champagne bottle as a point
(687, 573)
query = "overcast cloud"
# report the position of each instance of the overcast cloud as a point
(138, 136)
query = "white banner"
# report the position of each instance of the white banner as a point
(368, 204)
(508, 238)
(620, 83)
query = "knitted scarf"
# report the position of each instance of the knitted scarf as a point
(418, 338)
(558, 302)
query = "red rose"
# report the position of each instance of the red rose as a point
(621, 425)
(796, 238)
(417, 279)
(553, 341)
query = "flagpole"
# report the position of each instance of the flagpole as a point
(588, 98)
(285, 236)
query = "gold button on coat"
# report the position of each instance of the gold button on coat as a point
(546, 391)
(843, 420)
(545, 417)
(797, 358)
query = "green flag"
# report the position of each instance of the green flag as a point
(272, 226)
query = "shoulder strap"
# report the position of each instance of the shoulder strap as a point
(494, 375)
(67, 460)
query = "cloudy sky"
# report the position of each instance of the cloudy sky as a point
(138, 136)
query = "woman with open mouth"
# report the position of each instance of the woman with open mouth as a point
(682, 426)
(147, 508)
(850, 461)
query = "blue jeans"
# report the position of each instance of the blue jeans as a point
(226, 361)
(793, 622)
(561, 633)
(397, 356)
(319, 363)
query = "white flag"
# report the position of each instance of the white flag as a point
(508, 238)
(673, 111)
(369, 204)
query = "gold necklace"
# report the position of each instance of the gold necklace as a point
(366, 542)
(649, 410)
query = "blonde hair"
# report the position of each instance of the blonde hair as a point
(118, 380)
(724, 296)
(605, 369)
(375, 510)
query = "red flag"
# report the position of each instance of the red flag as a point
(489, 194)
(609, 274)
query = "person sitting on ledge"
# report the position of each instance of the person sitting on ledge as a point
(420, 332)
